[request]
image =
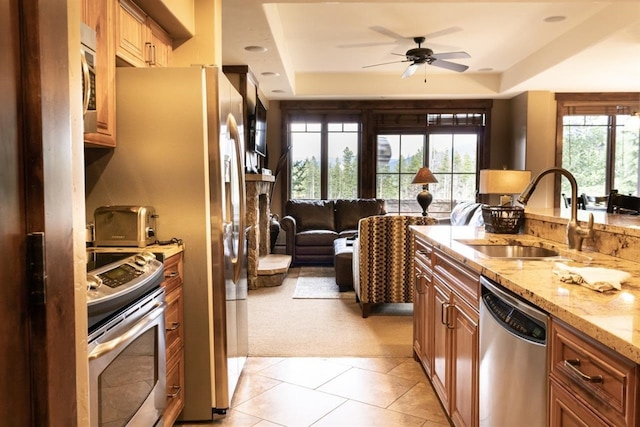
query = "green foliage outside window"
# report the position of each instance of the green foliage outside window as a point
(587, 140)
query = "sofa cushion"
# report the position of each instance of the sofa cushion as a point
(312, 214)
(316, 238)
(350, 211)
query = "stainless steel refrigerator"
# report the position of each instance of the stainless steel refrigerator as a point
(180, 149)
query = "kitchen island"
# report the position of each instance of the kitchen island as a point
(612, 317)
(601, 328)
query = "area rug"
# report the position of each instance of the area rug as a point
(319, 283)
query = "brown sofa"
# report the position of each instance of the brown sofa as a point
(311, 226)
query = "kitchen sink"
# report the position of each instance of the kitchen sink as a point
(515, 251)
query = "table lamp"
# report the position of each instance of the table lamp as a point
(424, 177)
(504, 182)
(504, 218)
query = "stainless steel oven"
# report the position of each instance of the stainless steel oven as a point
(127, 365)
(126, 342)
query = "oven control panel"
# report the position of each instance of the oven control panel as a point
(112, 287)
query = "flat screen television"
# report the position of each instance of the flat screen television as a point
(258, 135)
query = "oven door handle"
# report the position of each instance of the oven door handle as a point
(104, 348)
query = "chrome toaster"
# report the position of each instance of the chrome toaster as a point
(125, 226)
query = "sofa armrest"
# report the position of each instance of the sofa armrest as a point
(288, 224)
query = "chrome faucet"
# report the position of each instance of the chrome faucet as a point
(575, 233)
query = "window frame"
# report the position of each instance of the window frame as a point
(324, 119)
(367, 110)
(586, 104)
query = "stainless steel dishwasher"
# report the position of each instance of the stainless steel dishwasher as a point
(513, 360)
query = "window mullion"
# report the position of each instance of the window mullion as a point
(324, 159)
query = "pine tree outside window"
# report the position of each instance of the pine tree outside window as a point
(324, 156)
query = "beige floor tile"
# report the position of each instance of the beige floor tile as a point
(421, 401)
(290, 405)
(368, 387)
(231, 419)
(255, 364)
(251, 385)
(308, 372)
(376, 364)
(357, 414)
(410, 370)
(265, 423)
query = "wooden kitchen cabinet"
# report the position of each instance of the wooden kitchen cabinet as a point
(140, 41)
(99, 15)
(590, 384)
(422, 306)
(174, 337)
(454, 317)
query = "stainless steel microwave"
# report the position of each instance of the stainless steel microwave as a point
(88, 59)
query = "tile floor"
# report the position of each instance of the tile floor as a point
(333, 392)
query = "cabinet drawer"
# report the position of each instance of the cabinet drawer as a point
(464, 281)
(175, 389)
(172, 273)
(423, 252)
(565, 410)
(596, 375)
(174, 336)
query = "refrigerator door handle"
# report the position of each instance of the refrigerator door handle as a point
(234, 134)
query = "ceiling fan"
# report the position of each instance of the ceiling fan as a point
(423, 55)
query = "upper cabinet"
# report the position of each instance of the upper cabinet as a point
(99, 15)
(140, 41)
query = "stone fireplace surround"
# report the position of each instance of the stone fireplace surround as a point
(263, 268)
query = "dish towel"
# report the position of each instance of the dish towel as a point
(596, 278)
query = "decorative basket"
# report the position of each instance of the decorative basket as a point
(502, 219)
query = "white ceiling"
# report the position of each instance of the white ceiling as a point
(319, 48)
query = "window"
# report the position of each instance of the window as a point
(350, 148)
(324, 155)
(449, 146)
(600, 147)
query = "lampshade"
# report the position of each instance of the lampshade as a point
(424, 176)
(503, 181)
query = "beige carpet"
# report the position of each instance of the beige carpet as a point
(280, 325)
(319, 283)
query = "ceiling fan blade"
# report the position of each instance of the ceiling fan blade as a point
(355, 45)
(441, 33)
(410, 71)
(449, 65)
(387, 32)
(383, 63)
(451, 55)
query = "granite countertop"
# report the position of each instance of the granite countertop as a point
(612, 317)
(166, 250)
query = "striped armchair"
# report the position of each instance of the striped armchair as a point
(383, 259)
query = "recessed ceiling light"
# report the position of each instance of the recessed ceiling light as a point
(270, 74)
(556, 18)
(277, 91)
(257, 49)
(485, 69)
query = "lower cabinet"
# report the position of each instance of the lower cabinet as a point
(174, 338)
(455, 359)
(590, 384)
(446, 336)
(422, 305)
